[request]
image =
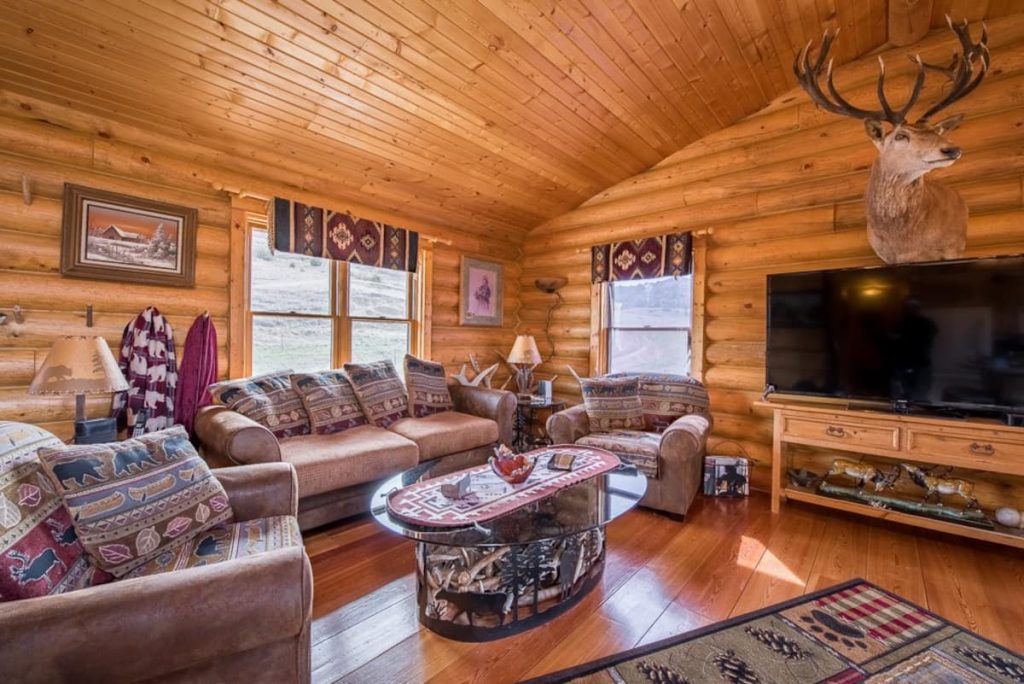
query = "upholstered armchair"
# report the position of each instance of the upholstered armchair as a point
(246, 618)
(670, 448)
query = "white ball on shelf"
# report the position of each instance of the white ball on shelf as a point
(1010, 517)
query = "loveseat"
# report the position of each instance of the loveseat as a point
(338, 472)
(242, 615)
(669, 449)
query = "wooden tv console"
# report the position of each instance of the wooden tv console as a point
(983, 445)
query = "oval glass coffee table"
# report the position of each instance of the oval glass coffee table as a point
(518, 570)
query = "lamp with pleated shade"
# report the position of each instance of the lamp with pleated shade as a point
(524, 356)
(79, 365)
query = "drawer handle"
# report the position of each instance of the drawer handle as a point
(984, 449)
(835, 431)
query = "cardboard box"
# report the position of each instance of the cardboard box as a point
(726, 476)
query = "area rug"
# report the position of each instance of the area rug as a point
(853, 632)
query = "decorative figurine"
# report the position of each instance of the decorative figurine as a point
(937, 486)
(864, 473)
(1010, 517)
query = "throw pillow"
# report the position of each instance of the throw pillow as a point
(380, 391)
(131, 500)
(612, 404)
(39, 550)
(666, 396)
(329, 401)
(268, 399)
(428, 390)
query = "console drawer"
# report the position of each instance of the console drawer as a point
(827, 432)
(993, 451)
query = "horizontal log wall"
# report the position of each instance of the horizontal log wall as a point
(30, 234)
(780, 192)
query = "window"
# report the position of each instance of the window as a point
(312, 314)
(649, 325)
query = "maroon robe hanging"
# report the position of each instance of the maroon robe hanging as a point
(198, 370)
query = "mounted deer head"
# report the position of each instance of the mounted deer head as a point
(908, 218)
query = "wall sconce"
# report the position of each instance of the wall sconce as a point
(551, 286)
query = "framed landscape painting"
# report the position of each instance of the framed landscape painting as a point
(480, 294)
(110, 236)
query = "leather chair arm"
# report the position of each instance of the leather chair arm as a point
(143, 628)
(498, 405)
(685, 436)
(565, 427)
(261, 490)
(229, 437)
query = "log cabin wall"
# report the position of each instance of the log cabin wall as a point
(781, 191)
(49, 145)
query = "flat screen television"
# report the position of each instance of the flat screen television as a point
(944, 335)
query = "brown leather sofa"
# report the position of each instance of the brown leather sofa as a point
(245, 619)
(338, 473)
(682, 403)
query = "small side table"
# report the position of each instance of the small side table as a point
(531, 417)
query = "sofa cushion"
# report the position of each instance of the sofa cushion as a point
(267, 399)
(612, 404)
(632, 446)
(329, 400)
(132, 500)
(380, 391)
(226, 542)
(428, 389)
(39, 549)
(325, 463)
(447, 433)
(667, 396)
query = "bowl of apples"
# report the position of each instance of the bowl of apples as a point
(510, 467)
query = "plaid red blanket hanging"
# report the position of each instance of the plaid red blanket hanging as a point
(148, 362)
(304, 229)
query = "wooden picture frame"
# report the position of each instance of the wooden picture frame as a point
(481, 292)
(109, 236)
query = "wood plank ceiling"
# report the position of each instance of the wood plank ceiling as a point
(487, 115)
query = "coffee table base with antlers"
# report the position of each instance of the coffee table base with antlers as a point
(519, 570)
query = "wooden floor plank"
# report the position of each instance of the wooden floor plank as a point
(661, 578)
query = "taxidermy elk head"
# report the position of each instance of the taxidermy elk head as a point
(908, 218)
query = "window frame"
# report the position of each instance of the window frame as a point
(611, 327)
(338, 307)
(600, 315)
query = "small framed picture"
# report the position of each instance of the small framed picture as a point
(110, 236)
(561, 461)
(480, 294)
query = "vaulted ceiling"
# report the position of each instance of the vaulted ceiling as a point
(487, 115)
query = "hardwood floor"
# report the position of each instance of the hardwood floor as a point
(661, 578)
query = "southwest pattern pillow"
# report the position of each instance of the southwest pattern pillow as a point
(39, 550)
(380, 391)
(428, 390)
(267, 399)
(132, 500)
(329, 400)
(667, 396)
(612, 404)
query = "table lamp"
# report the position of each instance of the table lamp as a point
(81, 365)
(524, 357)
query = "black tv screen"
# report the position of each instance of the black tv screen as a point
(946, 334)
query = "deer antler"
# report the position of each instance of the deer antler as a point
(808, 75)
(960, 71)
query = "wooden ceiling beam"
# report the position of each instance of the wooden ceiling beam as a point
(909, 21)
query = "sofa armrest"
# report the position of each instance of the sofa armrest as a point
(565, 427)
(686, 435)
(113, 632)
(498, 405)
(229, 437)
(262, 490)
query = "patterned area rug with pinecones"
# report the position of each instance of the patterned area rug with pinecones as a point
(854, 632)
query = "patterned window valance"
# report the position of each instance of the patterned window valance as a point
(640, 259)
(304, 229)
